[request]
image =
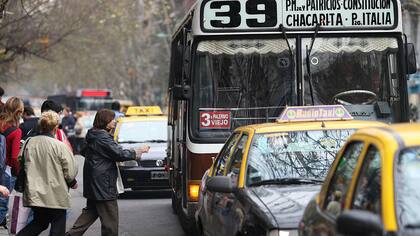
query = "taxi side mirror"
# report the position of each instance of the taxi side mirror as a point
(358, 222)
(220, 184)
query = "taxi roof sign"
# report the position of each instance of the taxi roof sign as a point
(314, 113)
(143, 111)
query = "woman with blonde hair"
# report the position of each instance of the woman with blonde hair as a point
(50, 171)
(9, 127)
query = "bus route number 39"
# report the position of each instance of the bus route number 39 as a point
(240, 14)
(215, 120)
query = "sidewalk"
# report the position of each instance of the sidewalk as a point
(4, 232)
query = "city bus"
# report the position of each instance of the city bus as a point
(236, 63)
(85, 99)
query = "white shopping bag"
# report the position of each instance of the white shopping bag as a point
(120, 185)
(18, 214)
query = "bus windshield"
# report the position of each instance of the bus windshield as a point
(251, 79)
(359, 73)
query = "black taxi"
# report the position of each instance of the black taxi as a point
(264, 176)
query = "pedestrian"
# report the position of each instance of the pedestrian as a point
(9, 123)
(100, 175)
(50, 171)
(1, 103)
(30, 122)
(68, 121)
(49, 105)
(116, 107)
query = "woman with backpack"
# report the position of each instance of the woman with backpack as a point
(9, 128)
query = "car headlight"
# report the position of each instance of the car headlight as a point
(129, 163)
(281, 232)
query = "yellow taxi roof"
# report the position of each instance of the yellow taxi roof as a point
(310, 125)
(407, 133)
(141, 118)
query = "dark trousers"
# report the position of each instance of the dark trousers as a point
(43, 217)
(107, 211)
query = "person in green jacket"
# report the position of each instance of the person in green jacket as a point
(51, 170)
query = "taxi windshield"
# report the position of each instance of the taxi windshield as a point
(143, 131)
(407, 187)
(299, 154)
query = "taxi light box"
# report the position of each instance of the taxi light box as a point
(314, 113)
(144, 111)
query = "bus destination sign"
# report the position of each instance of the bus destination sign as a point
(252, 15)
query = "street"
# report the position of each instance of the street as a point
(140, 213)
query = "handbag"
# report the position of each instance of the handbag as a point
(21, 177)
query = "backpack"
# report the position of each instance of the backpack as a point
(3, 136)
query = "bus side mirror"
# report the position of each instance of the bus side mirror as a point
(411, 59)
(181, 92)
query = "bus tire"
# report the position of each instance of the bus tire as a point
(187, 222)
(174, 202)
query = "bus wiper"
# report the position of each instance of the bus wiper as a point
(283, 31)
(308, 66)
(287, 181)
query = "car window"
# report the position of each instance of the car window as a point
(407, 173)
(234, 166)
(225, 153)
(341, 180)
(368, 191)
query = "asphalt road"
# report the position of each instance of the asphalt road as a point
(145, 213)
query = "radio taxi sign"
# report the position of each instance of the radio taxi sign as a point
(215, 119)
(314, 113)
(251, 15)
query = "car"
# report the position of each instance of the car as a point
(372, 187)
(265, 174)
(144, 126)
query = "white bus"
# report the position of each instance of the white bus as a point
(241, 62)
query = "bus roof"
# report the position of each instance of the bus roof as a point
(233, 17)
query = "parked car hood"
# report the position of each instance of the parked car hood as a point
(282, 206)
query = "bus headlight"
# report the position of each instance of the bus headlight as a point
(193, 191)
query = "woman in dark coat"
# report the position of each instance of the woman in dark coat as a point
(100, 175)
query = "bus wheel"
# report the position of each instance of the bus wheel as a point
(187, 222)
(174, 202)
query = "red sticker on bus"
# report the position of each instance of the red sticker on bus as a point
(215, 120)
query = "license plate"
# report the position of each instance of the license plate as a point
(159, 175)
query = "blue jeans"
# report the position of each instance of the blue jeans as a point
(9, 182)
